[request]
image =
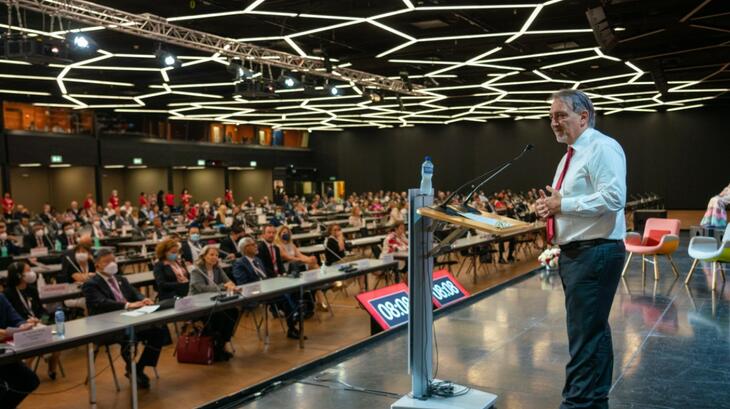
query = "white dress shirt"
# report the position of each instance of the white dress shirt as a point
(593, 190)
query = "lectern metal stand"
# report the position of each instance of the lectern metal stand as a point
(420, 322)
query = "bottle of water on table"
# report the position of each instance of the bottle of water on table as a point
(426, 175)
(60, 322)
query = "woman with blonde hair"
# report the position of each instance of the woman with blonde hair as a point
(172, 277)
(208, 276)
(289, 251)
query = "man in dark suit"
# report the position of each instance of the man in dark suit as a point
(192, 246)
(249, 269)
(67, 236)
(269, 253)
(229, 245)
(22, 228)
(37, 238)
(107, 291)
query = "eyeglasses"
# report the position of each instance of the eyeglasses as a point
(558, 116)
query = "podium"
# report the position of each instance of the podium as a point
(423, 219)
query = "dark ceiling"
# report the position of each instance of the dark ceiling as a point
(477, 60)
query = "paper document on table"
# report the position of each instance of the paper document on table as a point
(141, 311)
(499, 224)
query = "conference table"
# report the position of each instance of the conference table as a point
(152, 243)
(360, 242)
(98, 328)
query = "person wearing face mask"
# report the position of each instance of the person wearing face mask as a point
(17, 380)
(109, 291)
(7, 247)
(289, 251)
(23, 296)
(192, 246)
(98, 229)
(22, 228)
(37, 239)
(171, 275)
(77, 266)
(68, 237)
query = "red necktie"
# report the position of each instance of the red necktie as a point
(551, 219)
(273, 259)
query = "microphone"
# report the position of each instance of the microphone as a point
(489, 176)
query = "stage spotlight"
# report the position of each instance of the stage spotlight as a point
(375, 97)
(80, 43)
(331, 90)
(287, 81)
(239, 72)
(166, 58)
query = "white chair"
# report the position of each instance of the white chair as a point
(706, 249)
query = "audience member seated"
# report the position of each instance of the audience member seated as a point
(22, 229)
(356, 219)
(109, 291)
(158, 231)
(396, 241)
(716, 214)
(249, 268)
(269, 252)
(17, 380)
(208, 277)
(37, 239)
(394, 214)
(229, 245)
(23, 296)
(334, 245)
(68, 237)
(191, 247)
(47, 213)
(7, 247)
(8, 206)
(98, 229)
(171, 275)
(290, 252)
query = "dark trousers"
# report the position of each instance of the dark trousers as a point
(153, 338)
(221, 326)
(590, 276)
(16, 382)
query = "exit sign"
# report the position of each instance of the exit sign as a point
(137, 161)
(56, 158)
(201, 162)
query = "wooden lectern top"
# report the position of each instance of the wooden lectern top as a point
(488, 222)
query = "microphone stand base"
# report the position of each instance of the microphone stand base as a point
(473, 399)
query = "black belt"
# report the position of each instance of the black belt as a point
(580, 244)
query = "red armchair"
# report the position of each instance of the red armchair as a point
(661, 237)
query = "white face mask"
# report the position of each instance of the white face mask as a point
(97, 223)
(82, 257)
(70, 232)
(39, 233)
(30, 277)
(111, 269)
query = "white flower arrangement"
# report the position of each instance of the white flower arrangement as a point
(549, 257)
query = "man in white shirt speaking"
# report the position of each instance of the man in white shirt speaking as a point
(584, 213)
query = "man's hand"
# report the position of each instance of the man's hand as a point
(26, 326)
(147, 301)
(548, 205)
(135, 305)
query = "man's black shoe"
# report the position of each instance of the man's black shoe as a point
(294, 334)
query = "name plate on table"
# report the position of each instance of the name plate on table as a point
(261, 219)
(33, 337)
(52, 290)
(387, 258)
(388, 306)
(310, 275)
(39, 252)
(446, 289)
(362, 264)
(184, 304)
(249, 290)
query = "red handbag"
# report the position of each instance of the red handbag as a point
(194, 348)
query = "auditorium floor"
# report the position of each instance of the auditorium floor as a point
(184, 385)
(671, 346)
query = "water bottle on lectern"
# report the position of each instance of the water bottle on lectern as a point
(426, 175)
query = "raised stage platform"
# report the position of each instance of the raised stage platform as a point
(671, 346)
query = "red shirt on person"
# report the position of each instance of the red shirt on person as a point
(170, 199)
(142, 200)
(229, 197)
(185, 199)
(88, 203)
(8, 204)
(114, 200)
(193, 213)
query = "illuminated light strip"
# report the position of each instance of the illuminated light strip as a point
(207, 15)
(100, 96)
(253, 5)
(42, 104)
(551, 53)
(409, 4)
(201, 85)
(151, 111)
(21, 92)
(471, 60)
(15, 62)
(112, 105)
(273, 13)
(79, 30)
(608, 78)
(527, 24)
(30, 30)
(701, 90)
(111, 68)
(295, 47)
(124, 55)
(391, 29)
(685, 107)
(75, 101)
(254, 39)
(466, 36)
(602, 55)
(478, 7)
(560, 64)
(396, 48)
(164, 75)
(326, 28)
(86, 81)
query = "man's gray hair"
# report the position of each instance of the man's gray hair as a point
(578, 102)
